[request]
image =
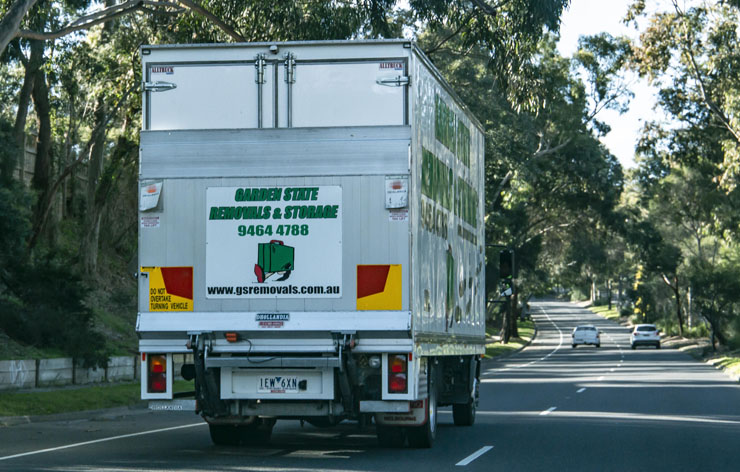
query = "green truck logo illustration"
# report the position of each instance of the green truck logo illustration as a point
(274, 258)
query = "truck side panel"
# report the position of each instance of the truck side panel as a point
(448, 300)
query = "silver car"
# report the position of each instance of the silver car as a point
(586, 334)
(645, 335)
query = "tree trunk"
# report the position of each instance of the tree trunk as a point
(42, 168)
(21, 117)
(10, 24)
(689, 308)
(91, 238)
(24, 100)
(679, 315)
(515, 313)
(94, 209)
(593, 291)
(506, 324)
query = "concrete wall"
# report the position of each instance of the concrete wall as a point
(25, 374)
(17, 374)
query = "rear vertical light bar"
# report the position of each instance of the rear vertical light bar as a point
(398, 368)
(156, 375)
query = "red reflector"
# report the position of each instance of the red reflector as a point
(397, 383)
(157, 383)
(143, 357)
(232, 337)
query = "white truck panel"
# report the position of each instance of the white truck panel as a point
(332, 125)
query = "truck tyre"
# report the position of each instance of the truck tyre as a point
(224, 434)
(390, 436)
(463, 414)
(423, 436)
(257, 433)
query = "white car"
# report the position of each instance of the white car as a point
(645, 335)
(586, 334)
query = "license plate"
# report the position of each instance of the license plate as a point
(278, 384)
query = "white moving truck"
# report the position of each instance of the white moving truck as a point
(311, 233)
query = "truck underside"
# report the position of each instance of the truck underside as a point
(235, 392)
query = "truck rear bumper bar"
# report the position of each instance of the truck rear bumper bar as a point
(257, 361)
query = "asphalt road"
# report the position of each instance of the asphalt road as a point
(548, 407)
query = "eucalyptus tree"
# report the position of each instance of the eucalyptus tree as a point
(689, 165)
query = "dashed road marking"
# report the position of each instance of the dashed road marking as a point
(581, 390)
(548, 411)
(474, 456)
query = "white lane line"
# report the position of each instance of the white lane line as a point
(548, 411)
(600, 379)
(474, 456)
(581, 390)
(560, 344)
(113, 438)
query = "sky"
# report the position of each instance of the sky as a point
(589, 17)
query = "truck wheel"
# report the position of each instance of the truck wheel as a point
(463, 414)
(390, 436)
(224, 434)
(423, 436)
(257, 433)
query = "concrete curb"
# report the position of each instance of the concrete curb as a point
(90, 415)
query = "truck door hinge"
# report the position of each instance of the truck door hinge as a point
(158, 86)
(290, 68)
(396, 81)
(259, 65)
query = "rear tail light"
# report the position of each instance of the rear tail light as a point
(397, 383)
(157, 370)
(397, 370)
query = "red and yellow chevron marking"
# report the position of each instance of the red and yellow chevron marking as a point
(170, 288)
(379, 287)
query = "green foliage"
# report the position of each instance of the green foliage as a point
(14, 227)
(578, 295)
(8, 153)
(717, 293)
(44, 307)
(41, 301)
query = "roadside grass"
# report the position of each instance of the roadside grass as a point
(67, 400)
(604, 311)
(526, 332)
(730, 363)
(13, 350)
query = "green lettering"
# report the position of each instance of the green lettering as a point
(214, 213)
